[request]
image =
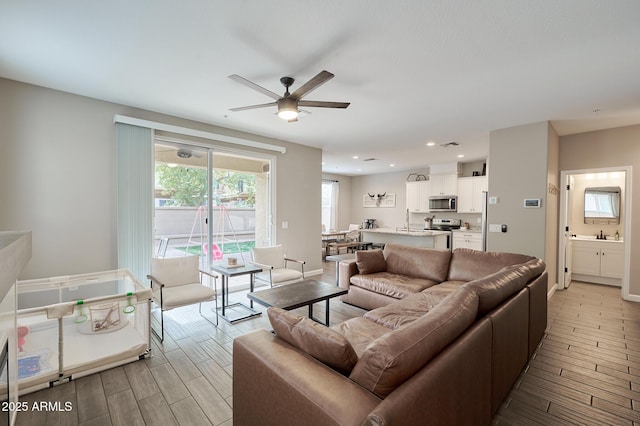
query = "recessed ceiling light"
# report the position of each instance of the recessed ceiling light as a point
(392, 165)
(355, 157)
(358, 170)
(460, 155)
(431, 143)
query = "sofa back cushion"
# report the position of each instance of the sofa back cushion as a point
(432, 264)
(495, 288)
(393, 358)
(370, 261)
(324, 344)
(469, 265)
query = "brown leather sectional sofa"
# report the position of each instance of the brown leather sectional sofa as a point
(445, 339)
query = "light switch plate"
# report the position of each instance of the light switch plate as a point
(493, 200)
(495, 227)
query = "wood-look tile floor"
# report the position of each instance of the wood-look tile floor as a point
(586, 370)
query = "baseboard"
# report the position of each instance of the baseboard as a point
(631, 297)
(313, 273)
(552, 291)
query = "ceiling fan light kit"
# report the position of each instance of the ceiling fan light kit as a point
(287, 108)
(289, 102)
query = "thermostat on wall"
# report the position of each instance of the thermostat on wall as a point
(532, 203)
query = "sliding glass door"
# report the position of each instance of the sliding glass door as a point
(208, 202)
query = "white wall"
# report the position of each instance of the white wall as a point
(57, 178)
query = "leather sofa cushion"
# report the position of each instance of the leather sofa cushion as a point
(497, 287)
(370, 261)
(405, 311)
(360, 332)
(394, 357)
(390, 284)
(322, 343)
(469, 265)
(419, 262)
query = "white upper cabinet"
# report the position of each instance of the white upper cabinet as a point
(444, 184)
(418, 196)
(470, 194)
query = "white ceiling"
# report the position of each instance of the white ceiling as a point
(414, 71)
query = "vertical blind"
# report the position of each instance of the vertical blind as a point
(135, 198)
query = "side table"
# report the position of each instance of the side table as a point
(236, 311)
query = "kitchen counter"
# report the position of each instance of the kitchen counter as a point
(417, 238)
(410, 232)
(475, 230)
(593, 238)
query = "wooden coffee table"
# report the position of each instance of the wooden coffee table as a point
(293, 296)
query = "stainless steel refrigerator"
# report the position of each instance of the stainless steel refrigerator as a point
(484, 222)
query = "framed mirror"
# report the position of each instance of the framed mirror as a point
(602, 205)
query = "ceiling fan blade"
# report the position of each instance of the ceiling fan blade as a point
(323, 104)
(314, 83)
(251, 84)
(244, 108)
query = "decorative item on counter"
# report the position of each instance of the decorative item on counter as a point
(617, 235)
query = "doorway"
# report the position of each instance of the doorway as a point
(581, 225)
(211, 202)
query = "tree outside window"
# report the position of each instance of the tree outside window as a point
(187, 187)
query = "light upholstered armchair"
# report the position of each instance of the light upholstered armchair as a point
(275, 266)
(178, 281)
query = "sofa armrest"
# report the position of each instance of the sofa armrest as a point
(274, 383)
(346, 269)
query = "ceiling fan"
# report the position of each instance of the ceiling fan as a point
(288, 103)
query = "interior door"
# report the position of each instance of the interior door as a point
(566, 249)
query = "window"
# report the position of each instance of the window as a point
(209, 203)
(329, 205)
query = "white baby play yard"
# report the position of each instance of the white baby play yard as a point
(76, 325)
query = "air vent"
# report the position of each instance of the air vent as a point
(370, 159)
(448, 144)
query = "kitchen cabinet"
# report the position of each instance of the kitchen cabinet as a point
(470, 194)
(598, 261)
(418, 193)
(444, 184)
(465, 239)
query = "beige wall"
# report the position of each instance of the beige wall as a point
(519, 158)
(619, 147)
(57, 178)
(391, 183)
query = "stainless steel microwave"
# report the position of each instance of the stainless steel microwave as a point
(443, 203)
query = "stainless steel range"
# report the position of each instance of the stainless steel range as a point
(445, 224)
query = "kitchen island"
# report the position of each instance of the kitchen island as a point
(417, 238)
